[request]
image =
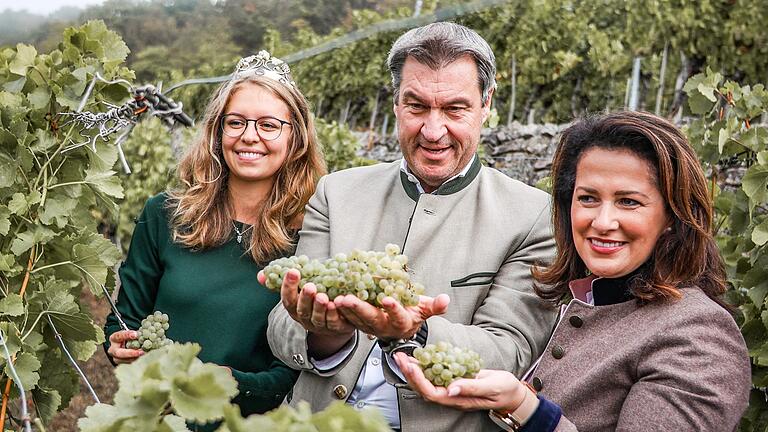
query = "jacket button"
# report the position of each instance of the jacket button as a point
(537, 384)
(558, 352)
(576, 321)
(340, 391)
(298, 359)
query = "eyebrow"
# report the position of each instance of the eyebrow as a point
(451, 102)
(617, 193)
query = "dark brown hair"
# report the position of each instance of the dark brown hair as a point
(684, 256)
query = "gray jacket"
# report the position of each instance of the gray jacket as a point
(675, 366)
(475, 239)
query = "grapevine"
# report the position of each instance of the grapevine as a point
(371, 276)
(151, 333)
(444, 363)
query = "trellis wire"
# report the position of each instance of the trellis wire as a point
(16, 380)
(80, 372)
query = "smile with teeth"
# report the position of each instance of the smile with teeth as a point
(247, 155)
(606, 244)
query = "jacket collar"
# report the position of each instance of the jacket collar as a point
(604, 291)
(450, 187)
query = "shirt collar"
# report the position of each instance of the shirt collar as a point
(412, 178)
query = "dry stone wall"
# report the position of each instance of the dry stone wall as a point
(523, 152)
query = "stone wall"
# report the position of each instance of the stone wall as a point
(523, 152)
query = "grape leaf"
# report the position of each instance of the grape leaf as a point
(39, 97)
(94, 256)
(106, 182)
(25, 240)
(755, 183)
(47, 402)
(18, 204)
(5, 220)
(26, 366)
(202, 393)
(760, 233)
(12, 305)
(24, 59)
(58, 208)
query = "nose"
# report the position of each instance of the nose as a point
(250, 134)
(434, 126)
(605, 220)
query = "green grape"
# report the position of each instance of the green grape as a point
(369, 275)
(443, 363)
(151, 333)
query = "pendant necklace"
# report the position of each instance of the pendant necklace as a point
(240, 233)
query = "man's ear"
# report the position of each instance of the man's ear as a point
(487, 105)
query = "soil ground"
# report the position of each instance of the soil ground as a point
(99, 371)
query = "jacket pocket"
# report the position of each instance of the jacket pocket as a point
(481, 278)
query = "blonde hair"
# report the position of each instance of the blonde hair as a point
(201, 214)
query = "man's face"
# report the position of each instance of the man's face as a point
(439, 117)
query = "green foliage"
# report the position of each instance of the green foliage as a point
(46, 199)
(339, 145)
(169, 386)
(152, 153)
(726, 138)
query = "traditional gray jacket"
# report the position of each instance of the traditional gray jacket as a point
(475, 239)
(675, 366)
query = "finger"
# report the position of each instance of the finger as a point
(261, 277)
(319, 310)
(125, 355)
(289, 290)
(399, 317)
(119, 337)
(333, 319)
(305, 303)
(433, 306)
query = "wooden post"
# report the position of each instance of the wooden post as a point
(662, 73)
(373, 120)
(513, 94)
(384, 125)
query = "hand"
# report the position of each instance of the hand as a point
(117, 350)
(392, 320)
(491, 389)
(328, 330)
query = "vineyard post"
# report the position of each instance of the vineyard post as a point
(626, 93)
(634, 94)
(384, 126)
(682, 77)
(662, 73)
(513, 93)
(373, 120)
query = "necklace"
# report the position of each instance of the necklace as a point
(240, 233)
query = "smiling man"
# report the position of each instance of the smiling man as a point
(469, 231)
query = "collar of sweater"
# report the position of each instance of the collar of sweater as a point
(450, 187)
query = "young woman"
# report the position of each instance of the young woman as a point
(646, 343)
(197, 249)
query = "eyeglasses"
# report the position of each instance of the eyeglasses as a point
(268, 128)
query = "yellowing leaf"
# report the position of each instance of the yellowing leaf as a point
(24, 59)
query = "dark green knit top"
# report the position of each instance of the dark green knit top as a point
(212, 298)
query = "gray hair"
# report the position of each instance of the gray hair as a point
(438, 44)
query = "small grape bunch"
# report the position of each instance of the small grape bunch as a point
(443, 363)
(151, 333)
(369, 275)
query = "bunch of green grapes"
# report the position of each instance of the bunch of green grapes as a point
(151, 333)
(370, 276)
(443, 363)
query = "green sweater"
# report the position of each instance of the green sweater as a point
(212, 298)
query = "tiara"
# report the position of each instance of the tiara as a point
(264, 64)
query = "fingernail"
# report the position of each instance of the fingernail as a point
(135, 334)
(291, 276)
(453, 391)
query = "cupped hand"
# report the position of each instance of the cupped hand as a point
(392, 320)
(328, 330)
(490, 389)
(117, 350)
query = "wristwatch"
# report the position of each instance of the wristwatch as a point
(418, 340)
(514, 420)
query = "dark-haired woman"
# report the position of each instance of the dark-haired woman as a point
(645, 341)
(197, 249)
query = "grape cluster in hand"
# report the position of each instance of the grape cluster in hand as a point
(151, 333)
(370, 276)
(443, 363)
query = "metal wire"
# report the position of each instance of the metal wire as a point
(16, 380)
(58, 337)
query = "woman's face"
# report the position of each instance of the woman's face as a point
(617, 211)
(251, 159)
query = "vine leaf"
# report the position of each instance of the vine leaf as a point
(12, 305)
(24, 59)
(26, 366)
(755, 184)
(203, 392)
(105, 181)
(760, 233)
(5, 220)
(95, 255)
(24, 241)
(47, 402)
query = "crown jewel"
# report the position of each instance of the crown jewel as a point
(265, 65)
